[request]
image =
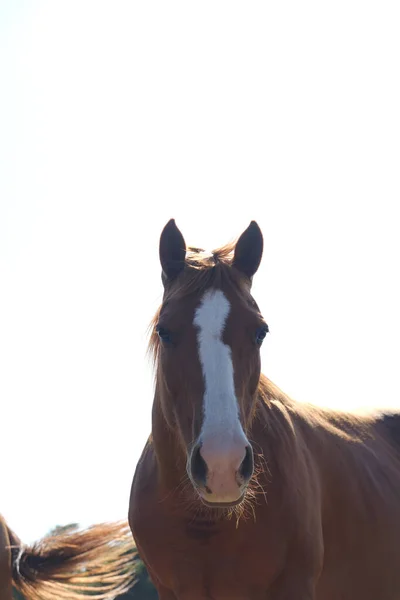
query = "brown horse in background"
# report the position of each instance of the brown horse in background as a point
(241, 493)
(98, 562)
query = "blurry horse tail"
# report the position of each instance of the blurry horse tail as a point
(98, 562)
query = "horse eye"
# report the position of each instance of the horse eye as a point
(261, 333)
(163, 334)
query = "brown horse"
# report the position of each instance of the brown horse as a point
(98, 562)
(242, 493)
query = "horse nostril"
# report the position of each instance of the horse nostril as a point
(247, 466)
(198, 467)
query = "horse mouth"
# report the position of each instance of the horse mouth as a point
(222, 504)
(203, 491)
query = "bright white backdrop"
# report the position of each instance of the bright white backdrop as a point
(114, 117)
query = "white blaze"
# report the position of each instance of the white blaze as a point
(220, 406)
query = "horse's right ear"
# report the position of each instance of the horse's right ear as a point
(248, 250)
(172, 251)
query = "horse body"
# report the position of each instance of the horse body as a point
(316, 511)
(361, 509)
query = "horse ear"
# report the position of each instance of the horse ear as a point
(172, 251)
(248, 250)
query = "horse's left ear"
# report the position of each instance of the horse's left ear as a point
(248, 250)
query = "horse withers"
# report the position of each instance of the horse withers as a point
(241, 493)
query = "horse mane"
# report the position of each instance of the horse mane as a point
(345, 426)
(353, 445)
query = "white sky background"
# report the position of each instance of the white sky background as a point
(115, 116)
